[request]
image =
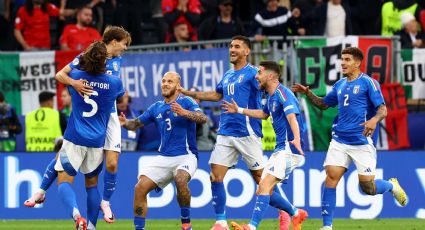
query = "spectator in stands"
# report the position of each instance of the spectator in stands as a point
(9, 126)
(66, 102)
(32, 24)
(410, 36)
(391, 13)
(221, 26)
(182, 11)
(330, 19)
(205, 133)
(297, 22)
(80, 35)
(272, 21)
(181, 35)
(129, 138)
(44, 125)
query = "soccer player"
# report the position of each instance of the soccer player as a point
(237, 134)
(116, 39)
(82, 147)
(175, 117)
(361, 107)
(288, 125)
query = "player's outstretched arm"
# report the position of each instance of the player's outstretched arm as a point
(203, 96)
(234, 108)
(197, 117)
(370, 125)
(79, 85)
(315, 100)
(132, 124)
(292, 119)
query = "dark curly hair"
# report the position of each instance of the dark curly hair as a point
(93, 58)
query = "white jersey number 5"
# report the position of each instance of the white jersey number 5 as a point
(92, 103)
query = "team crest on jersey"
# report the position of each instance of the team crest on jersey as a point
(115, 65)
(356, 89)
(240, 78)
(339, 91)
(226, 80)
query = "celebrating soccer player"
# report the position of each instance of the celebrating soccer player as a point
(82, 147)
(361, 107)
(116, 39)
(288, 124)
(176, 118)
(237, 134)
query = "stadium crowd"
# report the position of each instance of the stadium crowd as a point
(53, 24)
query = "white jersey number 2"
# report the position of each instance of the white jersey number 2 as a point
(92, 103)
(346, 100)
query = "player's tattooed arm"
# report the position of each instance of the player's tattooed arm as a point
(370, 125)
(381, 113)
(317, 101)
(197, 117)
(203, 96)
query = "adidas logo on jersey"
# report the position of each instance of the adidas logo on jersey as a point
(368, 170)
(255, 165)
(118, 146)
(257, 209)
(159, 116)
(185, 167)
(324, 212)
(271, 169)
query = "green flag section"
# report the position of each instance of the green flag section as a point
(10, 80)
(413, 73)
(24, 75)
(318, 66)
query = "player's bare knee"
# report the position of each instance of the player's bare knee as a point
(216, 178)
(368, 187)
(112, 165)
(181, 182)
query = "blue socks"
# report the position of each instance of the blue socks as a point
(185, 215)
(328, 205)
(219, 200)
(139, 223)
(67, 195)
(93, 204)
(110, 182)
(260, 209)
(277, 201)
(49, 176)
(383, 186)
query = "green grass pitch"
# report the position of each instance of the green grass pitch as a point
(268, 224)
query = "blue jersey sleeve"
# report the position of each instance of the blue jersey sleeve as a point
(266, 108)
(219, 87)
(374, 92)
(147, 117)
(75, 64)
(287, 101)
(191, 105)
(120, 87)
(331, 99)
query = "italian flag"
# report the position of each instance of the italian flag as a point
(24, 75)
(413, 72)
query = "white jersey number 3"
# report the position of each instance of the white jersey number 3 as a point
(92, 103)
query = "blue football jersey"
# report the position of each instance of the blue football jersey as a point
(90, 115)
(282, 103)
(113, 65)
(357, 102)
(241, 86)
(113, 68)
(178, 134)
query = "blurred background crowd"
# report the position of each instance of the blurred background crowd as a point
(72, 24)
